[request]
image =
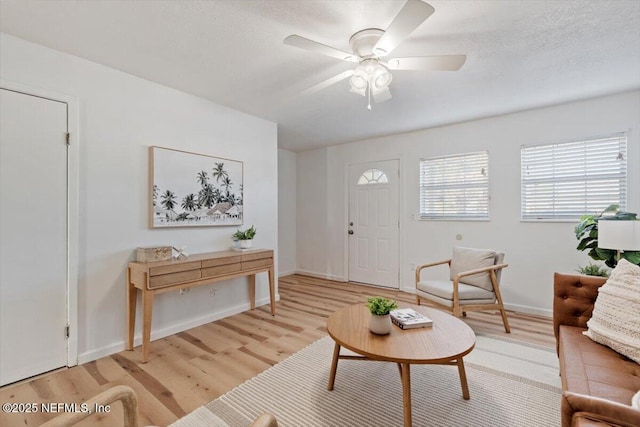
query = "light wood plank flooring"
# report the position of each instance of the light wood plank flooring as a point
(191, 368)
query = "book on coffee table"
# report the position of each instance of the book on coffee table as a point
(408, 318)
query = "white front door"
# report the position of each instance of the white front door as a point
(373, 223)
(33, 226)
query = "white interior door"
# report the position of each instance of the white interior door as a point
(33, 226)
(373, 223)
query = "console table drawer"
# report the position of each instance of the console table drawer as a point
(173, 278)
(250, 265)
(258, 255)
(174, 268)
(221, 270)
(221, 261)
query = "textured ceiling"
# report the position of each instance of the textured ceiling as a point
(520, 55)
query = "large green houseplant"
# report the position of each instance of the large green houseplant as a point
(587, 233)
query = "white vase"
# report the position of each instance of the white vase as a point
(380, 325)
(246, 244)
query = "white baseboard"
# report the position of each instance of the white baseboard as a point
(321, 275)
(410, 290)
(169, 330)
(286, 273)
(529, 310)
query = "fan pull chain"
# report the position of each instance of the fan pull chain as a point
(369, 105)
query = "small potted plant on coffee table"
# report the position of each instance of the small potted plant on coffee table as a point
(380, 308)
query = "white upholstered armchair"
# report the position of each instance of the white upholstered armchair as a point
(473, 284)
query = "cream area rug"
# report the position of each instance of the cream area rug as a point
(511, 384)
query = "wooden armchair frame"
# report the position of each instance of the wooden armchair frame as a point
(458, 309)
(130, 407)
(107, 397)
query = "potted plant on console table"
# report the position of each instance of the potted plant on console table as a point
(245, 238)
(380, 308)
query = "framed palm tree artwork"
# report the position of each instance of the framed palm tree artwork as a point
(193, 190)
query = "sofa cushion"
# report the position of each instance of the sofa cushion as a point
(593, 369)
(465, 259)
(616, 313)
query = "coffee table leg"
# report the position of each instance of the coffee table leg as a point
(405, 373)
(463, 379)
(334, 366)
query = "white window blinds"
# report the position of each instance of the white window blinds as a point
(455, 187)
(567, 180)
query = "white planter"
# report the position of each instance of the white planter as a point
(246, 244)
(380, 325)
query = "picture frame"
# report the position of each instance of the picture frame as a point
(194, 190)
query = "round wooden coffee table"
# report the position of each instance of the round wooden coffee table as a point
(444, 343)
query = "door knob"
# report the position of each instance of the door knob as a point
(350, 231)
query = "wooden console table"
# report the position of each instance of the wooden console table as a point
(199, 269)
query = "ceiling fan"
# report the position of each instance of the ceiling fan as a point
(370, 49)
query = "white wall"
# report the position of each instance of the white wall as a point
(286, 212)
(534, 250)
(120, 116)
(313, 211)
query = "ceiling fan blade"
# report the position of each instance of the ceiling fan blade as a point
(306, 44)
(428, 63)
(333, 80)
(382, 95)
(412, 14)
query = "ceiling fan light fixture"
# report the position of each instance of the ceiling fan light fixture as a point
(382, 95)
(358, 91)
(359, 81)
(381, 77)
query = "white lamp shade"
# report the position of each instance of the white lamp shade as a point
(381, 78)
(359, 81)
(381, 95)
(622, 235)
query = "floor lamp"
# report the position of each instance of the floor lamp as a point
(619, 235)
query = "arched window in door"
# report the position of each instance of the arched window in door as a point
(373, 176)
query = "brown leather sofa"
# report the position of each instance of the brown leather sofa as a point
(597, 382)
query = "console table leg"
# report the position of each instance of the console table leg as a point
(334, 366)
(252, 291)
(272, 291)
(132, 298)
(147, 308)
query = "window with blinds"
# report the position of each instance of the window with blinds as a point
(455, 187)
(570, 179)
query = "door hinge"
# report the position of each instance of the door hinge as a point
(67, 136)
(66, 331)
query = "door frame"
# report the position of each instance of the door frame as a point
(73, 204)
(345, 220)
